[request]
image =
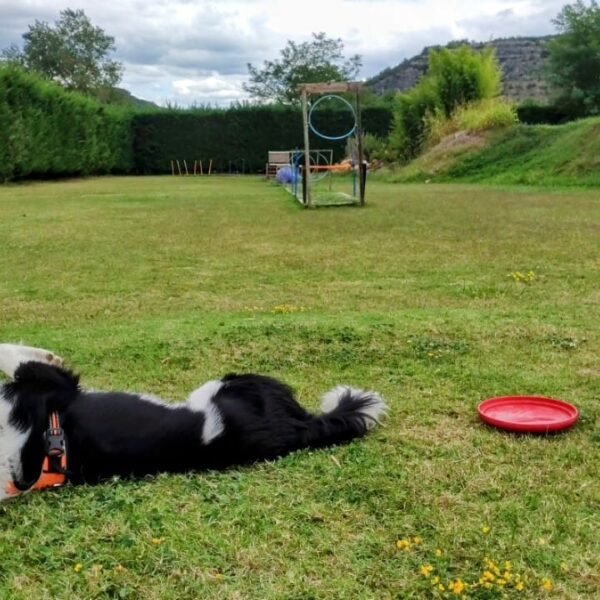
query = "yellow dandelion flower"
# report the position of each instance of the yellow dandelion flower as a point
(546, 585)
(426, 570)
(435, 580)
(507, 565)
(403, 545)
(417, 540)
(120, 569)
(157, 541)
(485, 529)
(441, 588)
(520, 586)
(78, 568)
(457, 587)
(488, 576)
(438, 552)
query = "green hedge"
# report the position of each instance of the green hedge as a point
(238, 138)
(48, 132)
(532, 113)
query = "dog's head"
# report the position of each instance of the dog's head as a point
(25, 407)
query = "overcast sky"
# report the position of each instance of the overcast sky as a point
(196, 51)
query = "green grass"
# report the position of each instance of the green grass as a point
(564, 155)
(158, 284)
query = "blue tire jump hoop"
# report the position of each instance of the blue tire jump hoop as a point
(333, 138)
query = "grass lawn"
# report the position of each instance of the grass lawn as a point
(437, 296)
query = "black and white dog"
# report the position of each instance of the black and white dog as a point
(237, 420)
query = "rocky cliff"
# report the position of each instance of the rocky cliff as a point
(522, 61)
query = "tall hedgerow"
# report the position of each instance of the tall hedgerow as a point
(239, 137)
(46, 131)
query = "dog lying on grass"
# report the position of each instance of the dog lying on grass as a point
(237, 420)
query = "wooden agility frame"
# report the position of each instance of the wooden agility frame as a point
(336, 87)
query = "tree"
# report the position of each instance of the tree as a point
(73, 53)
(574, 58)
(321, 59)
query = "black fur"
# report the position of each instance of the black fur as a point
(121, 434)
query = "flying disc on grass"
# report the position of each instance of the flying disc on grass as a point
(528, 414)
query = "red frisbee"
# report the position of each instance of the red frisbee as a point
(528, 414)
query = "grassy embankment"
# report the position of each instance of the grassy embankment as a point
(563, 155)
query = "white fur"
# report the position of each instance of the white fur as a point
(200, 400)
(11, 442)
(373, 411)
(12, 355)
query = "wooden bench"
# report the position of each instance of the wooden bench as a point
(276, 160)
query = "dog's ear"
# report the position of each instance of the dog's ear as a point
(38, 389)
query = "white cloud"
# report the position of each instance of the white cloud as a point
(196, 51)
(214, 89)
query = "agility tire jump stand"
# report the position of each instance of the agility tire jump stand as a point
(360, 167)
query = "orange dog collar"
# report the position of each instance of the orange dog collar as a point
(54, 467)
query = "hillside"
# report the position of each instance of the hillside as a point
(527, 154)
(522, 61)
(123, 96)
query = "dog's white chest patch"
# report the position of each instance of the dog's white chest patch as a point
(11, 442)
(201, 400)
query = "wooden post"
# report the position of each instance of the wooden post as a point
(363, 180)
(306, 174)
(178, 167)
(359, 137)
(210, 166)
(304, 186)
(185, 165)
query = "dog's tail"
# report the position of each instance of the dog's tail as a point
(348, 413)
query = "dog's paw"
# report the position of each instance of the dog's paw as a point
(27, 354)
(12, 355)
(53, 359)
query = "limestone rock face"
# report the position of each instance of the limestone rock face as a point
(521, 59)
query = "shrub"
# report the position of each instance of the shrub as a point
(374, 147)
(455, 77)
(461, 76)
(410, 119)
(479, 116)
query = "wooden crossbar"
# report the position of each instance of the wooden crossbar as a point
(333, 87)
